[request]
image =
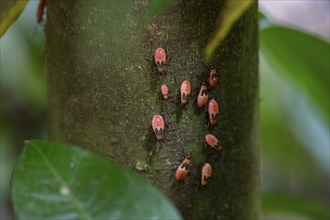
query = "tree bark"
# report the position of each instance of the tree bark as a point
(103, 92)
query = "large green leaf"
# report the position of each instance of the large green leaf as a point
(302, 57)
(56, 181)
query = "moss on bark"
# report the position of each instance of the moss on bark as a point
(103, 92)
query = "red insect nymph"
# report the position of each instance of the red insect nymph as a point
(185, 91)
(158, 125)
(203, 96)
(206, 174)
(213, 78)
(182, 170)
(212, 141)
(213, 110)
(164, 91)
(160, 59)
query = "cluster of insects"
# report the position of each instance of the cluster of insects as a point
(202, 101)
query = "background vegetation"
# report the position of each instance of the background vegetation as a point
(294, 107)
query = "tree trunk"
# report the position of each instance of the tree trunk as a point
(103, 92)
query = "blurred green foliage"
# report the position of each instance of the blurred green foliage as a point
(23, 95)
(294, 72)
(303, 58)
(294, 205)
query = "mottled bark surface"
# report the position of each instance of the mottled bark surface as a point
(103, 92)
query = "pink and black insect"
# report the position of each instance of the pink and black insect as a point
(212, 77)
(213, 111)
(213, 142)
(206, 174)
(182, 170)
(160, 59)
(158, 126)
(164, 91)
(185, 91)
(203, 95)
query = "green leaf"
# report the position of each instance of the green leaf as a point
(280, 203)
(56, 181)
(10, 10)
(232, 11)
(302, 57)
